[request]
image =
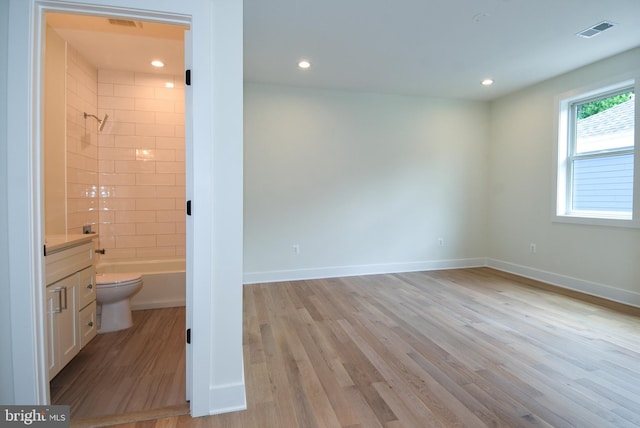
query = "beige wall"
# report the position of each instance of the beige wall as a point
(142, 165)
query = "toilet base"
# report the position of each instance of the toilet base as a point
(115, 316)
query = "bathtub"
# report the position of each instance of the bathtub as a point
(164, 281)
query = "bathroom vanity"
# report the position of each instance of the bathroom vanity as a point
(70, 278)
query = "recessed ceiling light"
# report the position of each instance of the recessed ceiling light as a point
(157, 63)
(487, 82)
(304, 64)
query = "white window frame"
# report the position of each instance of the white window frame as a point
(562, 156)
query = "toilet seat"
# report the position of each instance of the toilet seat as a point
(110, 280)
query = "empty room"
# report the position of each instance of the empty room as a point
(426, 214)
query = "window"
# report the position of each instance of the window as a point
(596, 159)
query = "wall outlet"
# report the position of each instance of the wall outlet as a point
(532, 248)
(296, 249)
(441, 242)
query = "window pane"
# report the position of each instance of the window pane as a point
(603, 184)
(605, 124)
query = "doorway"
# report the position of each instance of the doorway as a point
(214, 280)
(123, 175)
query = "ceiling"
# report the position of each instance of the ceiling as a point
(439, 48)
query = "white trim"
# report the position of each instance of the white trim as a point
(587, 287)
(217, 151)
(227, 398)
(356, 270)
(562, 102)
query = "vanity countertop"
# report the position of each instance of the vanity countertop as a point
(55, 243)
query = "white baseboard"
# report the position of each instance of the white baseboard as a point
(227, 398)
(587, 287)
(340, 271)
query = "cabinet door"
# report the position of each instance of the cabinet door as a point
(54, 306)
(68, 334)
(87, 287)
(88, 324)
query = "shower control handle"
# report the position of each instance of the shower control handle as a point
(101, 251)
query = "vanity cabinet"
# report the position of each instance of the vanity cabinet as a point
(70, 301)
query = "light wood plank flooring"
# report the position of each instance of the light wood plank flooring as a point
(133, 370)
(458, 348)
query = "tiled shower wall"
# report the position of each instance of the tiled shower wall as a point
(81, 143)
(141, 166)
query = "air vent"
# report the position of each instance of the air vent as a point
(125, 23)
(595, 30)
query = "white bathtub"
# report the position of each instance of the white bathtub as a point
(164, 281)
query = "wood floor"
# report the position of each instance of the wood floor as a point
(458, 348)
(133, 370)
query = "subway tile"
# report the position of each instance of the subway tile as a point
(170, 240)
(105, 89)
(122, 128)
(155, 154)
(170, 142)
(170, 167)
(169, 118)
(116, 103)
(117, 204)
(135, 241)
(117, 153)
(135, 116)
(107, 216)
(180, 180)
(133, 91)
(108, 178)
(155, 228)
(154, 105)
(181, 250)
(106, 165)
(171, 216)
(119, 254)
(105, 140)
(135, 217)
(170, 192)
(142, 192)
(155, 130)
(114, 229)
(135, 166)
(155, 179)
(147, 253)
(169, 94)
(157, 204)
(135, 141)
(116, 76)
(153, 80)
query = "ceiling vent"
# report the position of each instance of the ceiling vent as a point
(595, 30)
(125, 23)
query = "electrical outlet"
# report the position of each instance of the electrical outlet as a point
(441, 242)
(532, 248)
(296, 249)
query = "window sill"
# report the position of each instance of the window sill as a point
(597, 221)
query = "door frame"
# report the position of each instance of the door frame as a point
(217, 377)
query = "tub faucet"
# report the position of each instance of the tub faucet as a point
(101, 251)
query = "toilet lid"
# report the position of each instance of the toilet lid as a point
(117, 278)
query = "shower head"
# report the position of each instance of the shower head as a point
(101, 122)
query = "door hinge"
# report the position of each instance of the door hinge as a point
(187, 77)
(189, 336)
(188, 207)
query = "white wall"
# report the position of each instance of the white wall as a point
(361, 182)
(597, 259)
(6, 366)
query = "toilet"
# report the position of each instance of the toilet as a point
(113, 296)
